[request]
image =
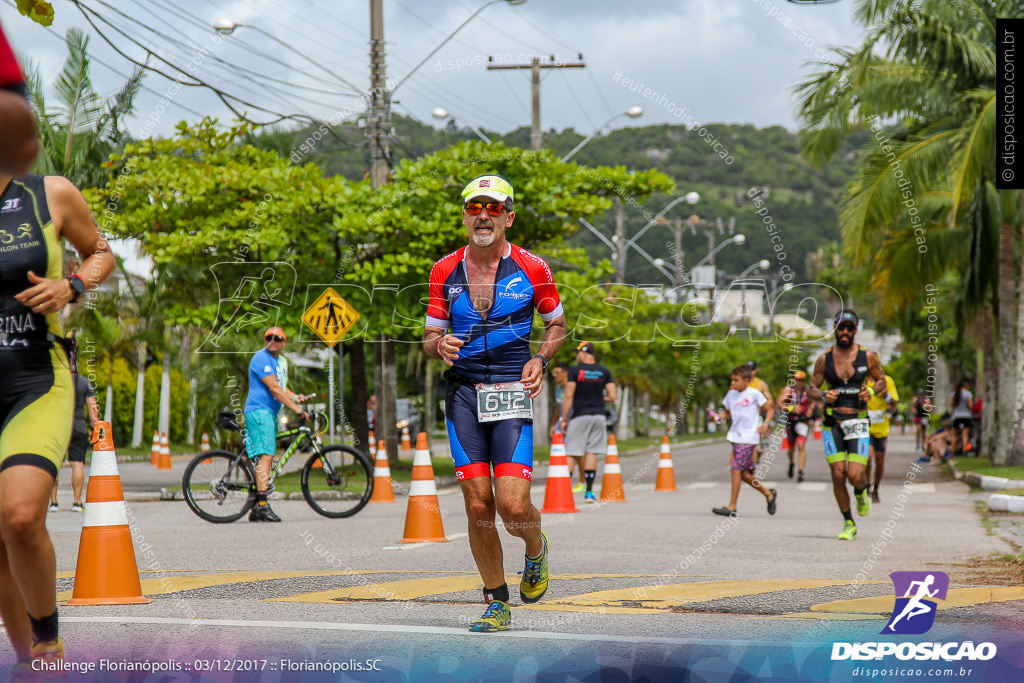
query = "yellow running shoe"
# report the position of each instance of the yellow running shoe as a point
(863, 503)
(498, 617)
(48, 653)
(535, 576)
(849, 532)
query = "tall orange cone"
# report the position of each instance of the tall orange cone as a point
(154, 453)
(817, 429)
(558, 494)
(666, 480)
(164, 463)
(611, 480)
(382, 491)
(785, 441)
(406, 445)
(105, 573)
(423, 515)
(204, 447)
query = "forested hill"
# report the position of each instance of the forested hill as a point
(802, 201)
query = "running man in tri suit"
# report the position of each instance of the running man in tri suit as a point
(18, 142)
(845, 367)
(878, 419)
(795, 404)
(486, 292)
(36, 391)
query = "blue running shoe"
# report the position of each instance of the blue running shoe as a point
(498, 617)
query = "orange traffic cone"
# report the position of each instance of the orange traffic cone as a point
(817, 430)
(154, 453)
(204, 447)
(406, 445)
(558, 494)
(164, 463)
(382, 491)
(666, 480)
(611, 480)
(373, 439)
(105, 573)
(785, 441)
(423, 515)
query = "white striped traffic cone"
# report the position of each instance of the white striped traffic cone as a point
(382, 491)
(611, 481)
(666, 480)
(558, 494)
(423, 515)
(106, 573)
(164, 463)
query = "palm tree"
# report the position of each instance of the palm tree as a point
(927, 69)
(79, 133)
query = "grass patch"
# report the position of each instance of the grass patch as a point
(983, 466)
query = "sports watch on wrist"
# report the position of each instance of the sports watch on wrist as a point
(77, 287)
(543, 362)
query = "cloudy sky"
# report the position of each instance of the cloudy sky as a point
(729, 61)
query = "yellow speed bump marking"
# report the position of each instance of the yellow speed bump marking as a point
(410, 589)
(173, 584)
(646, 598)
(956, 597)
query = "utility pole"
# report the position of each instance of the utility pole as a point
(535, 66)
(379, 124)
(378, 130)
(620, 241)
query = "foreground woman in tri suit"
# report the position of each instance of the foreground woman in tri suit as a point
(36, 395)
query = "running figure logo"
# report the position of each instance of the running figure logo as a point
(916, 593)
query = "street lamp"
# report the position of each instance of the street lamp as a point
(613, 246)
(226, 27)
(632, 112)
(738, 238)
(440, 113)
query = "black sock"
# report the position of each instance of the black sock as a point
(499, 593)
(261, 498)
(858, 491)
(44, 629)
(589, 475)
(847, 516)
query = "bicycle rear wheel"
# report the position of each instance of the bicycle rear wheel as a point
(219, 486)
(338, 481)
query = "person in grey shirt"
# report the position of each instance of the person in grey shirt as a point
(85, 401)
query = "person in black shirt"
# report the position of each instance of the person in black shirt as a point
(588, 388)
(85, 402)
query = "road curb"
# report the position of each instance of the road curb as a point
(997, 502)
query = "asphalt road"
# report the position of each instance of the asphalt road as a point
(649, 587)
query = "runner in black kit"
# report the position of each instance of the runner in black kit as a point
(36, 392)
(845, 367)
(486, 292)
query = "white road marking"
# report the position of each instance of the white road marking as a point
(701, 485)
(394, 628)
(812, 486)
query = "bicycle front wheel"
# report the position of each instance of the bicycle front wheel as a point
(219, 486)
(338, 481)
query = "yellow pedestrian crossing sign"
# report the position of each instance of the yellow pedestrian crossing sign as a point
(330, 317)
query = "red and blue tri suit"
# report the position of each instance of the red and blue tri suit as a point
(495, 349)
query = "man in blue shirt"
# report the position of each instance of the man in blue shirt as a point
(267, 382)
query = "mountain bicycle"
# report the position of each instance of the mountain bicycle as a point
(336, 481)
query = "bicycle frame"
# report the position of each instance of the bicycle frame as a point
(298, 432)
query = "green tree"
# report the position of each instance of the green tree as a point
(81, 129)
(924, 201)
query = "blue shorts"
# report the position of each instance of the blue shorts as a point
(854, 450)
(260, 432)
(507, 445)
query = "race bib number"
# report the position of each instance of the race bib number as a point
(876, 416)
(854, 429)
(503, 401)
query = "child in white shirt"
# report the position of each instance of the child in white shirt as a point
(742, 406)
